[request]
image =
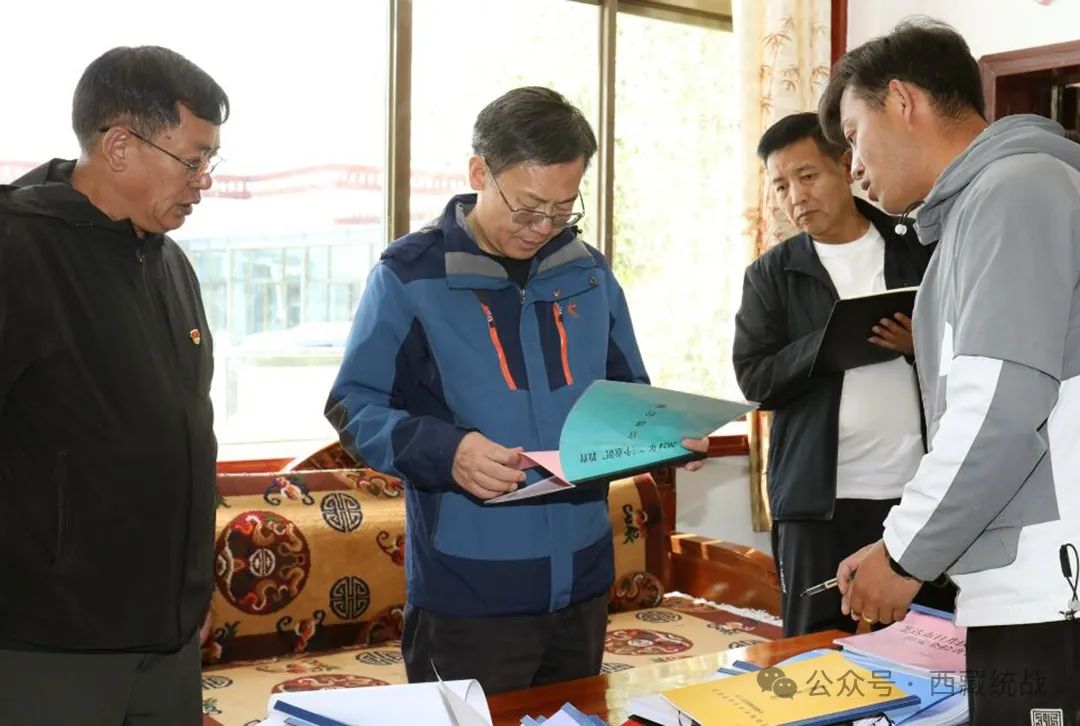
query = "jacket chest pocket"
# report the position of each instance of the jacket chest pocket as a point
(574, 333)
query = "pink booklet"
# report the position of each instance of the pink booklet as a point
(920, 643)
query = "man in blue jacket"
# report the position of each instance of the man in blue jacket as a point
(473, 339)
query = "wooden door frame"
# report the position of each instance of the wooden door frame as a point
(997, 66)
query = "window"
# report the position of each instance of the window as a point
(677, 251)
(284, 240)
(496, 46)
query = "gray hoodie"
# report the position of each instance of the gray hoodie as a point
(997, 344)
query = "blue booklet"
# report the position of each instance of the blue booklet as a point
(929, 692)
(616, 430)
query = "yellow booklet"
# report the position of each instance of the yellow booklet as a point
(821, 690)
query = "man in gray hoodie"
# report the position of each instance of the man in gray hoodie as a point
(995, 503)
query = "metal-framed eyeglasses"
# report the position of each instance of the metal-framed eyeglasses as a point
(533, 218)
(204, 166)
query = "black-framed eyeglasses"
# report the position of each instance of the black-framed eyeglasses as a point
(205, 166)
(533, 217)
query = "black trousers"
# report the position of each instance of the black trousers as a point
(101, 689)
(808, 552)
(506, 653)
(1024, 674)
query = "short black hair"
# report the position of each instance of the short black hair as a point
(920, 50)
(532, 125)
(794, 128)
(142, 86)
(1072, 135)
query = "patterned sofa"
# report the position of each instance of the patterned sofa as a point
(310, 587)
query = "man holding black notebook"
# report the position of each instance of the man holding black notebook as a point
(843, 444)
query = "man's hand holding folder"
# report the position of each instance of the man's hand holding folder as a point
(894, 334)
(866, 330)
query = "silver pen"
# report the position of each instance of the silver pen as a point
(819, 588)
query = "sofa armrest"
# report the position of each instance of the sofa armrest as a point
(724, 572)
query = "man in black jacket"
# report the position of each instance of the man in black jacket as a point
(842, 446)
(107, 450)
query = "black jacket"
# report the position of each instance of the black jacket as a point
(107, 450)
(787, 298)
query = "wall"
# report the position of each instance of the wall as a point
(989, 26)
(715, 502)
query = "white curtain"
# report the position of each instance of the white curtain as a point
(783, 47)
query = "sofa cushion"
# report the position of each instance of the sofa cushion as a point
(306, 561)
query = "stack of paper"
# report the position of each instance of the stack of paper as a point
(659, 710)
(952, 711)
(925, 649)
(936, 699)
(446, 703)
(930, 691)
(822, 689)
(565, 716)
(922, 642)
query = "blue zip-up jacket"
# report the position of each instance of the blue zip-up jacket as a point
(444, 343)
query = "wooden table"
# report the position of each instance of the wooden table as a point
(607, 695)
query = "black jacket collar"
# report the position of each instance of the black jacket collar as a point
(46, 191)
(802, 257)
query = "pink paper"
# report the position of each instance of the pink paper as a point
(545, 459)
(925, 642)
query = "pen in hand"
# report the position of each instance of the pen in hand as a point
(822, 587)
(819, 588)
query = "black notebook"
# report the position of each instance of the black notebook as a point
(845, 344)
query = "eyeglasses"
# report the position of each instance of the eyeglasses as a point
(533, 217)
(204, 166)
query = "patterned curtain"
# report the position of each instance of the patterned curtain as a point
(783, 47)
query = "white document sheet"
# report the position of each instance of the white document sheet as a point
(446, 703)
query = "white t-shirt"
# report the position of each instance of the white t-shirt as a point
(880, 443)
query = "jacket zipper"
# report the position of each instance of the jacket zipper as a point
(493, 333)
(156, 298)
(61, 487)
(532, 407)
(556, 311)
